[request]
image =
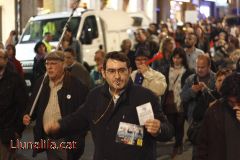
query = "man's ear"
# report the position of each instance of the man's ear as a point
(103, 73)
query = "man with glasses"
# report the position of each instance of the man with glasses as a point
(219, 136)
(13, 100)
(110, 112)
(145, 75)
(61, 95)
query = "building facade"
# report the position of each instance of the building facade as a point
(7, 18)
(14, 14)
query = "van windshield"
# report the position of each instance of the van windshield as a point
(36, 29)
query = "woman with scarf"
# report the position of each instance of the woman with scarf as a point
(176, 76)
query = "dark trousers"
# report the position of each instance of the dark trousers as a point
(64, 154)
(56, 154)
(177, 120)
(6, 153)
(194, 149)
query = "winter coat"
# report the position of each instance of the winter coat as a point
(212, 140)
(103, 118)
(13, 101)
(70, 97)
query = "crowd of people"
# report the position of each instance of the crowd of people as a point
(195, 80)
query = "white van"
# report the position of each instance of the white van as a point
(92, 28)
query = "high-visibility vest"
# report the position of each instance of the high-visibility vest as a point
(49, 27)
(48, 46)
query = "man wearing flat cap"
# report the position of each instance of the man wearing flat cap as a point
(61, 95)
(145, 75)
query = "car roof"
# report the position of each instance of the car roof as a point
(65, 14)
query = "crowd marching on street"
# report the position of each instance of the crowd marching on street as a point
(131, 98)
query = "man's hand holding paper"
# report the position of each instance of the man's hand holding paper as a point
(146, 118)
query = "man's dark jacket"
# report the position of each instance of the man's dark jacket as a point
(70, 97)
(13, 101)
(212, 140)
(104, 132)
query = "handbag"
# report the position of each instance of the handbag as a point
(169, 104)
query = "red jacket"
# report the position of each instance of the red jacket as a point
(18, 66)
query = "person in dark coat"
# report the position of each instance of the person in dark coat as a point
(61, 95)
(13, 99)
(143, 40)
(11, 52)
(195, 90)
(75, 68)
(39, 68)
(219, 136)
(110, 113)
(195, 93)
